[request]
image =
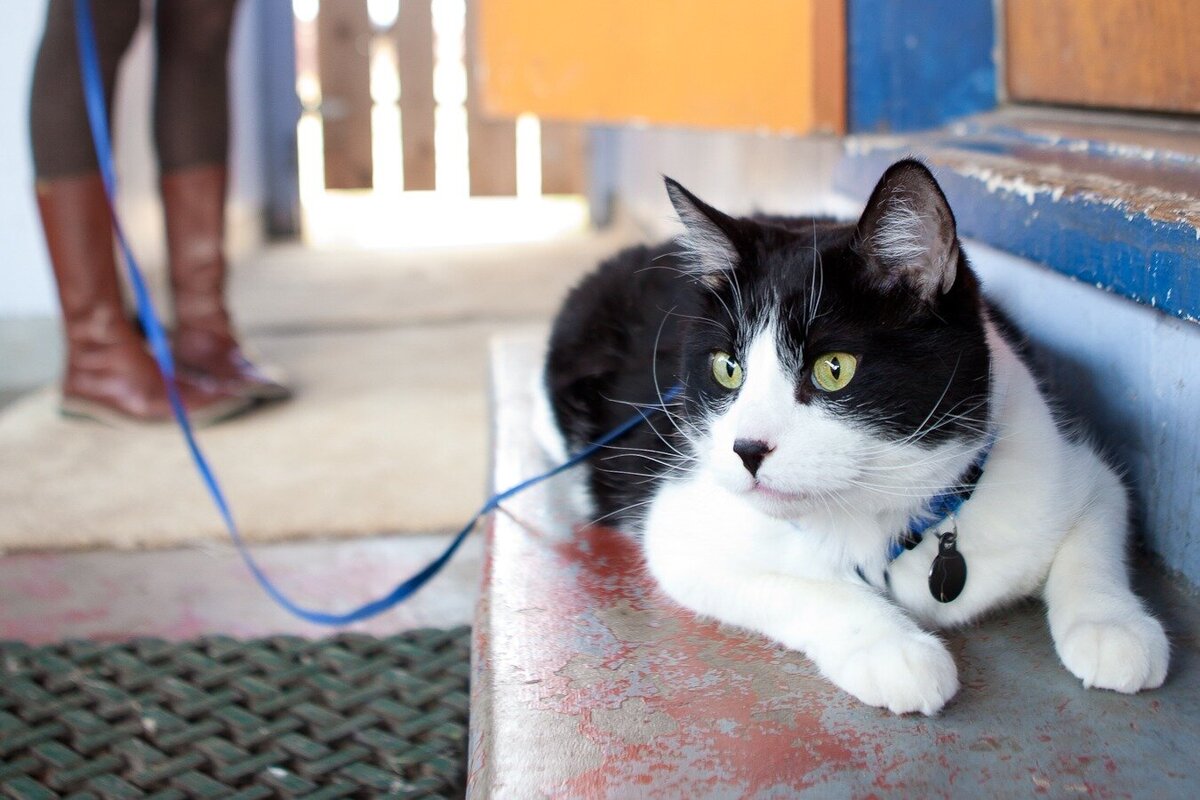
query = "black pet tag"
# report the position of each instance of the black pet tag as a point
(948, 573)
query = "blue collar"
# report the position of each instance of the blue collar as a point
(943, 505)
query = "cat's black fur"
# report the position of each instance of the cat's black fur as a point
(649, 319)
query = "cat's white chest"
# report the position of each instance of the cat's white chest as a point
(721, 530)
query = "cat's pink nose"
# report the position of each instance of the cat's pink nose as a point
(752, 452)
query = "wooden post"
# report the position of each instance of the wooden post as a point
(413, 35)
(491, 143)
(564, 158)
(344, 68)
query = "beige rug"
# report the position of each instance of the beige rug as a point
(388, 432)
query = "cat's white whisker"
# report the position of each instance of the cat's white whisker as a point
(619, 511)
(662, 462)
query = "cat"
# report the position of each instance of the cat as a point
(820, 396)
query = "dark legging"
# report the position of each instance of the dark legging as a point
(191, 102)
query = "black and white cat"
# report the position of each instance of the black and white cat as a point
(842, 388)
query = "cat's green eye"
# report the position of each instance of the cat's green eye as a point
(726, 371)
(834, 371)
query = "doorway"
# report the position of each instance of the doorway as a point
(394, 147)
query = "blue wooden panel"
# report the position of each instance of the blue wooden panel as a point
(915, 65)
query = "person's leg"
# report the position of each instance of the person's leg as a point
(109, 374)
(191, 128)
(62, 146)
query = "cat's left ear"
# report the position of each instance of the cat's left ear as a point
(907, 234)
(708, 235)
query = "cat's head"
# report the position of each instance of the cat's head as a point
(835, 363)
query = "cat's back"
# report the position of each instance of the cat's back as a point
(624, 289)
(614, 348)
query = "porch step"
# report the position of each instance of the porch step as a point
(1111, 200)
(587, 682)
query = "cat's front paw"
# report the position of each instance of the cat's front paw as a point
(1125, 655)
(902, 672)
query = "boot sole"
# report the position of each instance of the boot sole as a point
(268, 394)
(76, 408)
(276, 391)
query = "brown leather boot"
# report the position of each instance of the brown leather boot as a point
(110, 376)
(205, 343)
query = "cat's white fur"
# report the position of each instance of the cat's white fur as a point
(902, 236)
(1048, 517)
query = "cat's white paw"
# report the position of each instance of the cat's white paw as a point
(902, 672)
(1125, 655)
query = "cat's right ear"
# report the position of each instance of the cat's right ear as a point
(707, 237)
(907, 234)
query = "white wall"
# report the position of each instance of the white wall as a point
(25, 284)
(27, 300)
(738, 173)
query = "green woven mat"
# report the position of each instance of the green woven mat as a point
(348, 716)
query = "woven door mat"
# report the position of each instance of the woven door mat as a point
(347, 716)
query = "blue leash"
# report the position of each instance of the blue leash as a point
(93, 90)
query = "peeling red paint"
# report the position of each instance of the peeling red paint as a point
(607, 635)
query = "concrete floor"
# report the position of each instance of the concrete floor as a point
(7, 396)
(179, 594)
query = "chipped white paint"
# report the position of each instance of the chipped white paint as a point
(1027, 190)
(1000, 175)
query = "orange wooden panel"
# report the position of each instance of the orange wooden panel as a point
(343, 36)
(1139, 54)
(759, 64)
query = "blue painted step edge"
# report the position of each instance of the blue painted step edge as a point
(1131, 249)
